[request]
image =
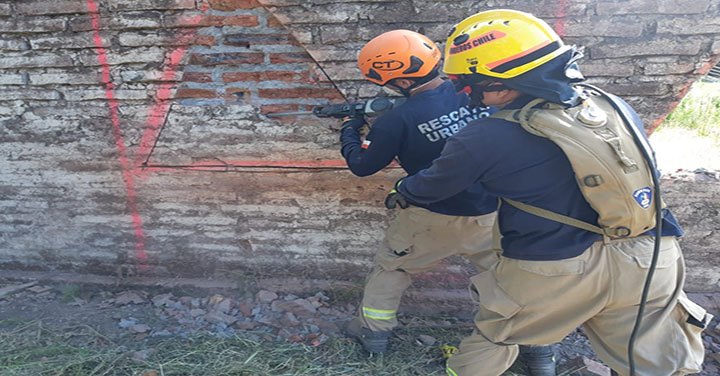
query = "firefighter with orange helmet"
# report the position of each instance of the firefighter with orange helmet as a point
(407, 63)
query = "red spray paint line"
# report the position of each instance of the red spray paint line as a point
(560, 13)
(224, 165)
(278, 163)
(337, 164)
(140, 253)
(162, 102)
(160, 109)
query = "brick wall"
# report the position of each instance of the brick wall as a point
(133, 138)
(647, 51)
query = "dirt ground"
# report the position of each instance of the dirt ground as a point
(134, 316)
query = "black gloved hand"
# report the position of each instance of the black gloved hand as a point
(354, 123)
(395, 199)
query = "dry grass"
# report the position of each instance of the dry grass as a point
(30, 348)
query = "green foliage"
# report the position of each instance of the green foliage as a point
(70, 293)
(698, 111)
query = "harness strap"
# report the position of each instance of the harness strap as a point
(570, 221)
(521, 116)
(496, 234)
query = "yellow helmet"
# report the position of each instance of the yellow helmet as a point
(398, 54)
(500, 43)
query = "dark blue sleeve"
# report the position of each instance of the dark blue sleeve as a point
(448, 175)
(381, 146)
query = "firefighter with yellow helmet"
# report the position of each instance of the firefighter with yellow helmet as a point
(407, 63)
(562, 263)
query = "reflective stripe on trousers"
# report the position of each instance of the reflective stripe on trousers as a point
(378, 314)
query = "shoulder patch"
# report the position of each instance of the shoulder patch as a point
(643, 196)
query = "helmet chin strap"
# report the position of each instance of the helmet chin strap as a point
(416, 87)
(405, 92)
(390, 91)
(417, 83)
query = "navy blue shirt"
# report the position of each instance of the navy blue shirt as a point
(415, 133)
(510, 162)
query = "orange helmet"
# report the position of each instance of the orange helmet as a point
(398, 54)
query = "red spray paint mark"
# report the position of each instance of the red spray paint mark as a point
(560, 14)
(279, 163)
(222, 165)
(337, 164)
(140, 253)
(162, 102)
(159, 111)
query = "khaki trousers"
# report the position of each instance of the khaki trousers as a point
(416, 241)
(539, 302)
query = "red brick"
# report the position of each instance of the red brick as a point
(705, 68)
(185, 20)
(195, 93)
(230, 5)
(272, 108)
(206, 20)
(155, 4)
(274, 22)
(290, 57)
(300, 93)
(287, 76)
(234, 93)
(197, 77)
(227, 58)
(240, 20)
(247, 40)
(203, 40)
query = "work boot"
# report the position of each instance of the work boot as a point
(372, 341)
(540, 360)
